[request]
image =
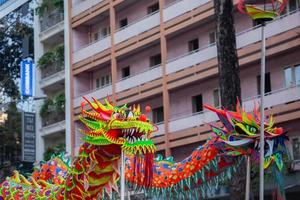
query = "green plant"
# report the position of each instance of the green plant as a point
(56, 104)
(59, 4)
(47, 5)
(54, 151)
(46, 107)
(60, 102)
(59, 54)
(46, 59)
(55, 56)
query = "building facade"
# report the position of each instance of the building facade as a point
(162, 53)
(50, 77)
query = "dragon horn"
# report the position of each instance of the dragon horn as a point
(109, 105)
(102, 107)
(222, 112)
(138, 109)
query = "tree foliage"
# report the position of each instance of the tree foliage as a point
(10, 134)
(13, 29)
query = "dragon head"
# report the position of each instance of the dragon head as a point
(241, 134)
(118, 125)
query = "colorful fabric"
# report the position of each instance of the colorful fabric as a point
(110, 129)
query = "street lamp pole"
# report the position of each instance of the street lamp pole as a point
(262, 111)
(122, 175)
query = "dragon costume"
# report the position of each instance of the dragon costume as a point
(110, 129)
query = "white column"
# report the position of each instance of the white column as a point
(38, 52)
(68, 88)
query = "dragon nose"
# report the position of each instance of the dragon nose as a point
(143, 118)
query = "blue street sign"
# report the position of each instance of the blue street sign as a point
(27, 78)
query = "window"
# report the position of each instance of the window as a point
(267, 83)
(217, 100)
(158, 114)
(292, 5)
(95, 36)
(197, 103)
(101, 33)
(292, 76)
(103, 81)
(153, 8)
(125, 72)
(288, 78)
(212, 37)
(193, 45)
(123, 22)
(155, 60)
(296, 148)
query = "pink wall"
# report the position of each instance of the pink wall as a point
(139, 61)
(274, 65)
(181, 99)
(134, 11)
(80, 37)
(82, 84)
(99, 25)
(242, 22)
(178, 45)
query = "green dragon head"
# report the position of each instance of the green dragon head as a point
(241, 134)
(119, 125)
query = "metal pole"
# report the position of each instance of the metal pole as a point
(122, 175)
(262, 114)
(247, 197)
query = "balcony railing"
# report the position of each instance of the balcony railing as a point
(181, 7)
(139, 79)
(92, 49)
(82, 5)
(52, 118)
(49, 70)
(137, 27)
(250, 36)
(51, 19)
(97, 93)
(278, 26)
(274, 98)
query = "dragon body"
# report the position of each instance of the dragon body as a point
(110, 129)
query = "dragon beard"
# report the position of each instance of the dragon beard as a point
(143, 168)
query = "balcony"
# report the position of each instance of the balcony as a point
(124, 84)
(181, 7)
(92, 49)
(97, 93)
(142, 25)
(53, 118)
(139, 79)
(250, 36)
(56, 127)
(274, 98)
(83, 5)
(52, 110)
(51, 19)
(278, 26)
(51, 24)
(138, 27)
(52, 74)
(51, 65)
